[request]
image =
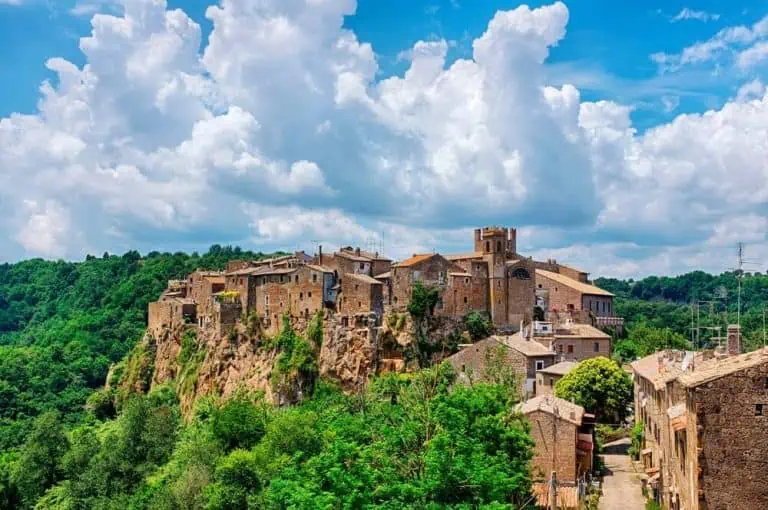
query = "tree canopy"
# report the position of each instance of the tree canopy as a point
(600, 386)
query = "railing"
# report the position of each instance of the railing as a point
(609, 321)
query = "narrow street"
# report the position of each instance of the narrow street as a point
(621, 484)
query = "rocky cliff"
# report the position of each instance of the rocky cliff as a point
(350, 350)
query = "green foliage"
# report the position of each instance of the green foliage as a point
(188, 346)
(297, 361)
(102, 404)
(652, 505)
(315, 330)
(423, 300)
(238, 423)
(478, 324)
(38, 467)
(638, 436)
(643, 340)
(137, 373)
(608, 433)
(600, 386)
(63, 324)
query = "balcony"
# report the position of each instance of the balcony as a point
(609, 321)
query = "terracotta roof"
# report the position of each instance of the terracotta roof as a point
(246, 271)
(523, 346)
(364, 278)
(416, 259)
(584, 288)
(275, 270)
(464, 256)
(647, 367)
(322, 269)
(567, 411)
(720, 367)
(561, 368)
(384, 276)
(580, 331)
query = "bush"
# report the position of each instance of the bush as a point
(101, 404)
(478, 324)
(638, 436)
(423, 300)
(238, 423)
(600, 386)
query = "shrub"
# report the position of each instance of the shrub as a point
(478, 324)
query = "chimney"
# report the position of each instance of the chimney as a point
(734, 339)
(320, 255)
(357, 251)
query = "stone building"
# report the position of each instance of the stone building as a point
(563, 434)
(431, 269)
(573, 341)
(706, 419)
(523, 357)
(547, 377)
(569, 294)
(360, 293)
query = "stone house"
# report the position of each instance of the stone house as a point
(170, 313)
(576, 342)
(574, 295)
(431, 269)
(360, 293)
(547, 377)
(563, 437)
(706, 420)
(202, 285)
(523, 357)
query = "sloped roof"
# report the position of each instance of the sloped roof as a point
(523, 346)
(364, 278)
(465, 256)
(561, 368)
(321, 269)
(584, 288)
(721, 367)
(580, 331)
(550, 404)
(384, 276)
(352, 256)
(416, 259)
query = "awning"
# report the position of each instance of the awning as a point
(647, 451)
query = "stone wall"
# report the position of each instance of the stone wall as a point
(600, 306)
(582, 348)
(431, 272)
(361, 295)
(561, 297)
(521, 291)
(306, 292)
(555, 448)
(733, 440)
(164, 315)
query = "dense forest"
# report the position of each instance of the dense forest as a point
(63, 324)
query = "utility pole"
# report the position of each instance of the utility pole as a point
(738, 279)
(552, 504)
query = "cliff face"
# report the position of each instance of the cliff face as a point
(352, 349)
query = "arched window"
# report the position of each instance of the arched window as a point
(521, 274)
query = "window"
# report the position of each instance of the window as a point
(597, 346)
(362, 265)
(603, 306)
(314, 278)
(766, 382)
(521, 274)
(301, 296)
(539, 364)
(487, 246)
(498, 245)
(309, 294)
(465, 299)
(551, 381)
(570, 349)
(359, 304)
(609, 307)
(357, 286)
(758, 409)
(560, 349)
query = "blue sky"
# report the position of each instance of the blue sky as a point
(605, 39)
(625, 137)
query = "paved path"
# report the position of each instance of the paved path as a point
(621, 484)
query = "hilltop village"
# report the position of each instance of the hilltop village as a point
(703, 413)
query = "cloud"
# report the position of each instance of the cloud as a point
(690, 14)
(741, 43)
(280, 129)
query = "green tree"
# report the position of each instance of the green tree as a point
(478, 324)
(238, 423)
(600, 386)
(39, 466)
(643, 340)
(423, 300)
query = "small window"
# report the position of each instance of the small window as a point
(597, 346)
(314, 278)
(570, 349)
(359, 304)
(394, 299)
(560, 349)
(281, 305)
(758, 409)
(466, 280)
(539, 364)
(297, 279)
(766, 383)
(487, 246)
(498, 245)
(362, 265)
(463, 368)
(357, 286)
(551, 382)
(465, 299)
(309, 294)
(301, 296)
